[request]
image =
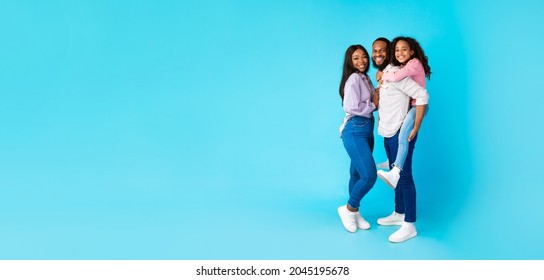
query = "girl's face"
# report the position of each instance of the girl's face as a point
(359, 60)
(403, 52)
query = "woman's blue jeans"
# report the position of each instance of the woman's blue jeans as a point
(358, 138)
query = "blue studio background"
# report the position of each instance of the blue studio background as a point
(209, 130)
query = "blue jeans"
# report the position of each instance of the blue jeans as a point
(405, 192)
(405, 129)
(358, 138)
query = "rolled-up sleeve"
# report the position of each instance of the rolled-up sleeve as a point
(414, 90)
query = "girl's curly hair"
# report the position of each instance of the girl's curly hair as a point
(418, 53)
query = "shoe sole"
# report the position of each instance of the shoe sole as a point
(386, 181)
(405, 239)
(364, 228)
(390, 223)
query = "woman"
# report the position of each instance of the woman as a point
(356, 131)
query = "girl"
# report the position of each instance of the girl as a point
(408, 54)
(357, 133)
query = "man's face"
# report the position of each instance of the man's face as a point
(379, 53)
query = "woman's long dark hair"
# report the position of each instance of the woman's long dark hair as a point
(418, 53)
(348, 68)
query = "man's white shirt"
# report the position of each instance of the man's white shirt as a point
(395, 102)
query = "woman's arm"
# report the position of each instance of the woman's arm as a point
(357, 96)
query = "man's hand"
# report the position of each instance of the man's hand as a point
(413, 134)
(376, 97)
(420, 113)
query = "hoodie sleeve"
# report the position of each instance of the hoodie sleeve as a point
(412, 68)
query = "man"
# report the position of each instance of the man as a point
(380, 54)
(380, 59)
(393, 100)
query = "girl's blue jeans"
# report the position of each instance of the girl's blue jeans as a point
(405, 129)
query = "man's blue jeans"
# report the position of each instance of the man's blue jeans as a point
(405, 192)
(358, 138)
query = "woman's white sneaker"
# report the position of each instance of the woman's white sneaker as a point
(395, 219)
(361, 222)
(405, 232)
(348, 218)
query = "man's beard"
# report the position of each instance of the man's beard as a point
(382, 66)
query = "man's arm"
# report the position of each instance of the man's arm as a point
(420, 112)
(414, 90)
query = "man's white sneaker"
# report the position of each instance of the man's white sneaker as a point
(395, 219)
(360, 221)
(405, 232)
(348, 218)
(383, 165)
(391, 178)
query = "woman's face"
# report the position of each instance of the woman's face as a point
(359, 60)
(403, 52)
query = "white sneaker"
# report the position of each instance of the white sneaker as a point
(360, 221)
(391, 178)
(395, 219)
(405, 232)
(348, 218)
(384, 165)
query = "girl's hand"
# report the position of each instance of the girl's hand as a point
(379, 75)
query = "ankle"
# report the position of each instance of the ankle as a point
(351, 209)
